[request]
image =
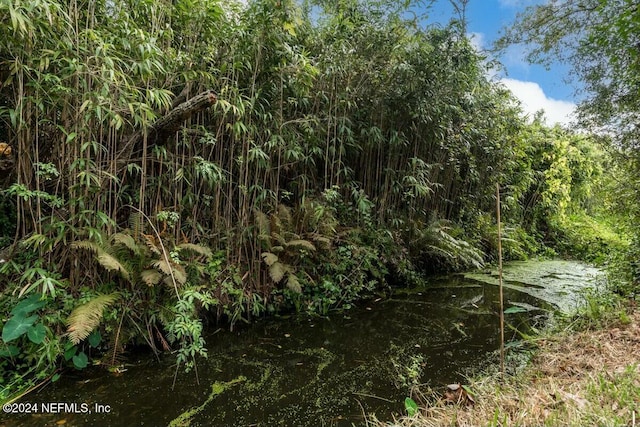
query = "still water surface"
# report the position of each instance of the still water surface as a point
(324, 371)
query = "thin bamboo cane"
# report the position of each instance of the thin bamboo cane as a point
(500, 280)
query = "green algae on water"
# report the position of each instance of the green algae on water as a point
(217, 388)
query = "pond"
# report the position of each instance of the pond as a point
(326, 371)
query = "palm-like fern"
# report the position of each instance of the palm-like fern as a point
(140, 260)
(86, 317)
(437, 240)
(105, 256)
(284, 249)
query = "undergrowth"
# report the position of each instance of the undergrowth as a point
(580, 371)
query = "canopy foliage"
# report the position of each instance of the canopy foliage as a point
(192, 156)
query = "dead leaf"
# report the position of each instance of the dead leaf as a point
(458, 395)
(577, 400)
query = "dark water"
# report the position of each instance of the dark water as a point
(321, 371)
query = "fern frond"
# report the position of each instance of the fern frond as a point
(111, 263)
(180, 277)
(263, 222)
(277, 238)
(301, 244)
(151, 243)
(276, 271)
(88, 245)
(135, 223)
(86, 317)
(324, 242)
(274, 224)
(127, 241)
(180, 274)
(151, 277)
(284, 214)
(105, 259)
(163, 266)
(293, 283)
(199, 249)
(269, 258)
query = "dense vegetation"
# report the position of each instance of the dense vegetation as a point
(167, 163)
(598, 39)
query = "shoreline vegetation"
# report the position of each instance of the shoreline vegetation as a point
(170, 166)
(585, 374)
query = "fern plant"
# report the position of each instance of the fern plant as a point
(144, 262)
(437, 241)
(85, 318)
(284, 249)
(141, 260)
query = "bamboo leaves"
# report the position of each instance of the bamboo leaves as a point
(363, 101)
(284, 142)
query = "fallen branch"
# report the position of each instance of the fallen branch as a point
(165, 126)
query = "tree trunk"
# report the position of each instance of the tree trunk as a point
(164, 127)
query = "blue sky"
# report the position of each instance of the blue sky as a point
(536, 87)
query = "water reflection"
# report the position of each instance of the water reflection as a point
(324, 371)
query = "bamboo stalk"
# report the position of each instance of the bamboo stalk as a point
(500, 280)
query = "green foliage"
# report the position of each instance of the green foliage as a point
(186, 326)
(146, 263)
(353, 271)
(410, 406)
(86, 317)
(22, 321)
(517, 242)
(601, 308)
(80, 360)
(288, 238)
(605, 58)
(143, 258)
(345, 147)
(406, 368)
(598, 38)
(30, 347)
(515, 309)
(588, 238)
(442, 244)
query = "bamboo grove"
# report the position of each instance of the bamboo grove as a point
(172, 158)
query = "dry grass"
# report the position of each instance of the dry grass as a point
(590, 378)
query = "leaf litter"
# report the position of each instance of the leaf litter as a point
(574, 379)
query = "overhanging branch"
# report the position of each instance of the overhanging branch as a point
(165, 126)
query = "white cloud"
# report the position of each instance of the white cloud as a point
(515, 58)
(477, 40)
(534, 99)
